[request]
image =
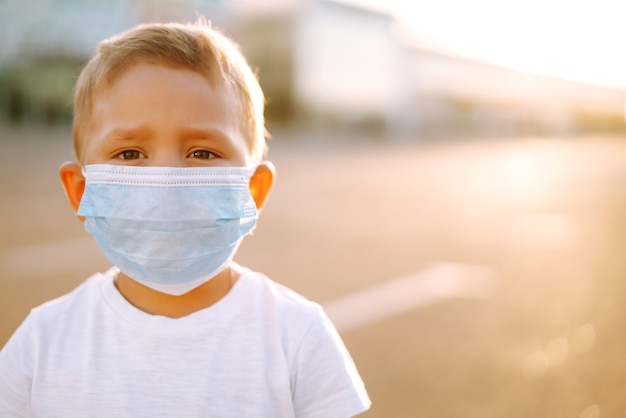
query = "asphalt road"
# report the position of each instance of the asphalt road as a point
(468, 278)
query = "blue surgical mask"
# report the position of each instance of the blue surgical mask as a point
(169, 228)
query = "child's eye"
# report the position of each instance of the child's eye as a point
(130, 154)
(202, 154)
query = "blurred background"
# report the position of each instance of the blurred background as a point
(451, 185)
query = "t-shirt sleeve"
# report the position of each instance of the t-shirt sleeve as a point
(326, 382)
(16, 373)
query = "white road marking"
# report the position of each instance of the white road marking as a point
(81, 257)
(440, 281)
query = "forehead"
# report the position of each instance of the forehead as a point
(165, 99)
(162, 74)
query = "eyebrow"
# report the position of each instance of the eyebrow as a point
(196, 133)
(139, 132)
(185, 133)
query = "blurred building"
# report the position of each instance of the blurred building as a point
(343, 64)
(327, 62)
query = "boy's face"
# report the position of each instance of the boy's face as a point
(159, 116)
(163, 117)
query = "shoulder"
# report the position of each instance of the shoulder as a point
(282, 313)
(271, 296)
(72, 306)
(324, 378)
(45, 329)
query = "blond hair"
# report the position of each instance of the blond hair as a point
(196, 47)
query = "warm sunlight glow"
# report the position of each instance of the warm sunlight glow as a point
(563, 38)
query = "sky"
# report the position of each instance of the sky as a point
(582, 40)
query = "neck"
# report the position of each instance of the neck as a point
(157, 303)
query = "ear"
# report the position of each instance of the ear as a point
(73, 183)
(261, 183)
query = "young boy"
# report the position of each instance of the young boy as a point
(169, 138)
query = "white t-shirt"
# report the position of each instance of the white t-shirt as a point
(261, 351)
